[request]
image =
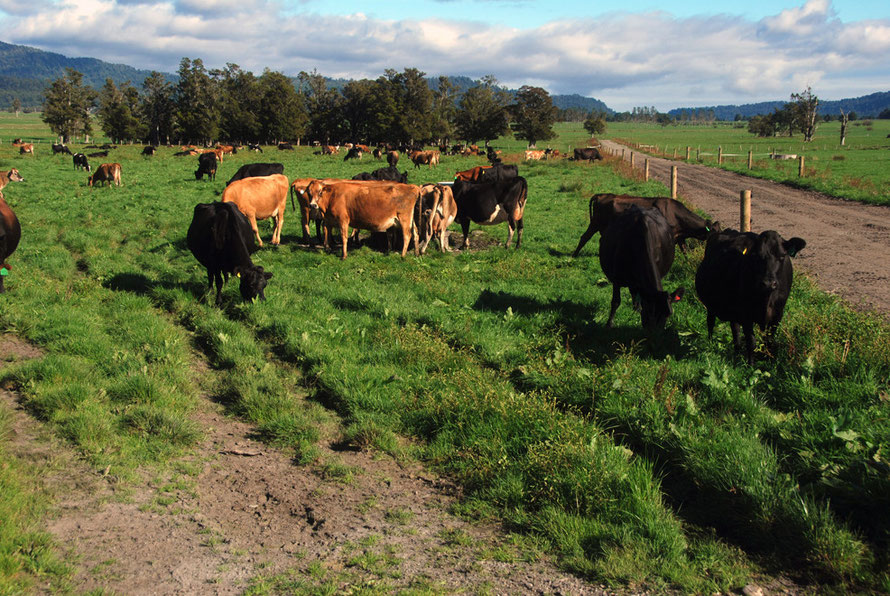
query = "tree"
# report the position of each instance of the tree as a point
(804, 110)
(595, 123)
(157, 108)
(197, 114)
(414, 101)
(323, 105)
(763, 125)
(67, 106)
(481, 112)
(885, 114)
(16, 106)
(282, 113)
(845, 118)
(533, 115)
(444, 110)
(239, 105)
(119, 112)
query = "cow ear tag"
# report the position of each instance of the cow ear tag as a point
(238, 274)
(745, 250)
(4, 271)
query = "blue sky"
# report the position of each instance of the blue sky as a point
(633, 53)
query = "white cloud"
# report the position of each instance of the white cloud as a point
(627, 59)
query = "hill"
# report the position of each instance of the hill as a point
(866, 106)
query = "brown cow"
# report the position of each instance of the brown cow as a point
(7, 177)
(10, 234)
(108, 173)
(471, 175)
(375, 206)
(430, 158)
(535, 155)
(260, 197)
(330, 149)
(218, 152)
(26, 148)
(437, 212)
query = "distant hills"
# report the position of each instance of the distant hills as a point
(25, 72)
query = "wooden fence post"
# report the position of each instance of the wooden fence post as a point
(750, 159)
(632, 159)
(622, 155)
(800, 167)
(687, 152)
(646, 171)
(745, 211)
(720, 154)
(698, 154)
(675, 153)
(673, 182)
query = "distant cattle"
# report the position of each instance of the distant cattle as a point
(438, 210)
(80, 162)
(684, 223)
(98, 154)
(353, 153)
(390, 173)
(149, 150)
(222, 241)
(285, 147)
(206, 166)
(59, 148)
(110, 173)
(531, 155)
(10, 233)
(588, 154)
(330, 149)
(491, 202)
(472, 175)
(428, 158)
(259, 198)
(392, 158)
(7, 177)
(745, 278)
(250, 170)
(26, 148)
(636, 252)
(227, 149)
(254, 147)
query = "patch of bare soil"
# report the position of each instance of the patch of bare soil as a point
(237, 510)
(847, 241)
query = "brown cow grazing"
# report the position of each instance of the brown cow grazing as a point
(260, 197)
(429, 158)
(330, 149)
(438, 211)
(7, 177)
(108, 173)
(26, 148)
(10, 234)
(535, 155)
(375, 206)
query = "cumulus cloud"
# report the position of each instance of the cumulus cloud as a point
(652, 58)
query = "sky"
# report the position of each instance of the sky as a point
(668, 54)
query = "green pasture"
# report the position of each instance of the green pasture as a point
(650, 461)
(859, 170)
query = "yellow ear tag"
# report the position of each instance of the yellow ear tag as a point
(239, 275)
(745, 251)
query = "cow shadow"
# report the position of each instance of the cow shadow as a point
(138, 283)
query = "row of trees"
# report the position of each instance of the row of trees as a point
(801, 114)
(233, 104)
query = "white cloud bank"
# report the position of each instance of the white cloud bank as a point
(625, 59)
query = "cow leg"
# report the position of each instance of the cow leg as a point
(519, 226)
(465, 227)
(749, 342)
(511, 227)
(616, 300)
(712, 320)
(279, 223)
(344, 233)
(255, 229)
(219, 285)
(736, 342)
(414, 237)
(585, 237)
(443, 241)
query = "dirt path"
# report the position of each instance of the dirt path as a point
(237, 513)
(847, 242)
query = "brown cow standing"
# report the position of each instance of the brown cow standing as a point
(367, 206)
(260, 197)
(438, 211)
(10, 234)
(430, 158)
(26, 148)
(108, 173)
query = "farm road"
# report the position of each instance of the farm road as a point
(847, 242)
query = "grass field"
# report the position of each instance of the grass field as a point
(659, 461)
(860, 170)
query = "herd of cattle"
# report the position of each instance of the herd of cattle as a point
(744, 278)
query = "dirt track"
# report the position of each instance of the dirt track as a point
(847, 242)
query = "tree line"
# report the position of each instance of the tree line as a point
(232, 104)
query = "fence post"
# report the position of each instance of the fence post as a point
(800, 167)
(698, 154)
(745, 211)
(646, 171)
(631, 160)
(720, 154)
(687, 152)
(673, 182)
(675, 153)
(622, 155)
(750, 159)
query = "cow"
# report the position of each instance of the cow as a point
(285, 147)
(7, 177)
(26, 148)
(377, 153)
(636, 252)
(390, 173)
(108, 173)
(218, 152)
(428, 158)
(60, 148)
(745, 278)
(374, 206)
(185, 153)
(298, 193)
(685, 224)
(206, 165)
(222, 241)
(471, 175)
(532, 155)
(490, 203)
(354, 153)
(499, 173)
(254, 147)
(587, 154)
(437, 211)
(98, 154)
(227, 149)
(149, 150)
(330, 149)
(250, 170)
(80, 162)
(260, 197)
(392, 158)
(10, 234)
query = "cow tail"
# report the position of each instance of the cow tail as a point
(293, 202)
(593, 201)
(220, 227)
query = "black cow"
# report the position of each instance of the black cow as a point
(254, 147)
(206, 165)
(390, 173)
(588, 154)
(222, 240)
(98, 154)
(59, 148)
(490, 203)
(745, 278)
(605, 207)
(80, 162)
(353, 153)
(499, 173)
(636, 251)
(10, 234)
(285, 147)
(149, 150)
(250, 170)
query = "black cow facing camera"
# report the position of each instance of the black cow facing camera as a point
(745, 278)
(253, 282)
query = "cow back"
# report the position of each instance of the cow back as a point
(262, 195)
(220, 237)
(251, 170)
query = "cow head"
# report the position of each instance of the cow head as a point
(658, 307)
(253, 282)
(14, 176)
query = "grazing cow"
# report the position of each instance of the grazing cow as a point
(149, 150)
(684, 223)
(10, 234)
(26, 148)
(285, 147)
(437, 211)
(353, 153)
(221, 239)
(80, 162)
(745, 278)
(251, 170)
(254, 147)
(636, 252)
(98, 154)
(471, 175)
(260, 197)
(391, 173)
(428, 158)
(587, 153)
(490, 203)
(7, 177)
(535, 155)
(377, 153)
(108, 173)
(60, 148)
(374, 206)
(392, 158)
(206, 165)
(185, 153)
(227, 149)
(330, 149)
